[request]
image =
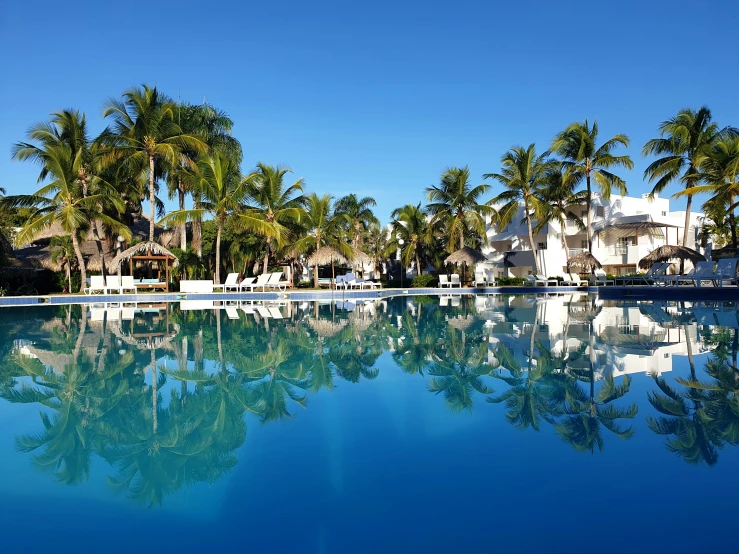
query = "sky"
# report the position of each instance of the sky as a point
(377, 98)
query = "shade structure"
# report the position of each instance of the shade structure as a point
(141, 250)
(584, 260)
(465, 255)
(670, 252)
(360, 257)
(326, 327)
(326, 255)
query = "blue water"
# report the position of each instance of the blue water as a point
(370, 428)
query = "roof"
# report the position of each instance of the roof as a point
(640, 221)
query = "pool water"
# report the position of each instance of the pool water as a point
(414, 424)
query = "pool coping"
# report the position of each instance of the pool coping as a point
(606, 293)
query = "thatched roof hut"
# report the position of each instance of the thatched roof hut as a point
(326, 255)
(584, 260)
(465, 255)
(148, 249)
(670, 252)
(359, 257)
(326, 327)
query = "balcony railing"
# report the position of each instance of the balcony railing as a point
(574, 251)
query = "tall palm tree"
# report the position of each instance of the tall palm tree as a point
(272, 206)
(456, 208)
(523, 176)
(144, 133)
(584, 159)
(221, 190)
(719, 169)
(409, 224)
(375, 246)
(358, 212)
(62, 252)
(683, 142)
(322, 227)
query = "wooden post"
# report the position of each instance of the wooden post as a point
(166, 265)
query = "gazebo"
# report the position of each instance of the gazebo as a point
(670, 252)
(327, 255)
(148, 252)
(584, 260)
(466, 256)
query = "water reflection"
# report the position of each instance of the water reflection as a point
(164, 393)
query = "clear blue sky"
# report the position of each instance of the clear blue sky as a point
(377, 97)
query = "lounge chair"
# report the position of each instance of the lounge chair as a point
(261, 282)
(444, 281)
(232, 313)
(127, 284)
(548, 280)
(567, 280)
(646, 279)
(480, 279)
(246, 282)
(454, 281)
(275, 282)
(97, 285)
(127, 314)
(275, 312)
(599, 278)
(703, 272)
(577, 280)
(264, 312)
(660, 276)
(678, 279)
(362, 284)
(113, 283)
(725, 271)
(342, 281)
(232, 282)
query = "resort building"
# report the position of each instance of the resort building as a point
(625, 229)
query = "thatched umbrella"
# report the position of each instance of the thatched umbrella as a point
(466, 256)
(326, 327)
(584, 260)
(327, 255)
(146, 251)
(359, 257)
(670, 252)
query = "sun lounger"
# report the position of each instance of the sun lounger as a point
(231, 284)
(549, 280)
(264, 312)
(599, 278)
(127, 284)
(645, 279)
(362, 284)
(97, 285)
(275, 282)
(246, 282)
(480, 279)
(232, 313)
(454, 281)
(535, 281)
(261, 282)
(725, 271)
(127, 314)
(576, 280)
(113, 283)
(444, 281)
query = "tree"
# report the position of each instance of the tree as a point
(584, 159)
(719, 169)
(62, 252)
(523, 176)
(272, 206)
(456, 209)
(221, 190)
(409, 224)
(375, 245)
(322, 227)
(359, 215)
(682, 144)
(145, 133)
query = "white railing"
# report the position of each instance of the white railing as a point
(574, 251)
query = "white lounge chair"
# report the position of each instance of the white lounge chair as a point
(275, 281)
(263, 312)
(444, 281)
(127, 314)
(534, 281)
(577, 280)
(480, 279)
(245, 282)
(113, 283)
(567, 280)
(548, 280)
(232, 282)
(343, 281)
(127, 284)
(261, 282)
(703, 272)
(725, 271)
(232, 312)
(454, 281)
(275, 312)
(599, 278)
(97, 285)
(362, 284)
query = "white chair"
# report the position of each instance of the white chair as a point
(261, 282)
(533, 281)
(275, 282)
(444, 281)
(547, 280)
(246, 282)
(127, 314)
(127, 284)
(725, 271)
(599, 278)
(567, 280)
(97, 285)
(232, 282)
(232, 313)
(659, 276)
(275, 312)
(480, 279)
(703, 272)
(113, 283)
(362, 284)
(454, 281)
(576, 280)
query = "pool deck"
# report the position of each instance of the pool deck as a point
(607, 293)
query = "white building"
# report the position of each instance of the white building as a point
(625, 229)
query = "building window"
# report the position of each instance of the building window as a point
(510, 246)
(600, 211)
(584, 213)
(664, 214)
(622, 245)
(584, 244)
(542, 246)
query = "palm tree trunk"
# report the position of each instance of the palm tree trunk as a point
(197, 231)
(154, 393)
(564, 245)
(315, 276)
(218, 338)
(69, 275)
(418, 264)
(218, 251)
(461, 241)
(99, 245)
(80, 261)
(183, 226)
(588, 201)
(266, 258)
(531, 238)
(732, 224)
(151, 198)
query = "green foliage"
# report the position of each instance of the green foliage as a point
(421, 281)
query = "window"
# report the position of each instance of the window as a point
(584, 213)
(584, 244)
(600, 211)
(542, 246)
(664, 214)
(510, 246)
(622, 245)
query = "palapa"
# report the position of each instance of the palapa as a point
(584, 260)
(465, 255)
(327, 255)
(670, 252)
(144, 249)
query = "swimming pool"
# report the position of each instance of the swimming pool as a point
(457, 423)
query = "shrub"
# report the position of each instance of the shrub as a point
(510, 281)
(420, 281)
(304, 284)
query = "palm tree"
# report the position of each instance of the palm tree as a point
(375, 245)
(719, 169)
(409, 224)
(456, 209)
(145, 133)
(359, 215)
(322, 228)
(683, 142)
(523, 176)
(221, 191)
(272, 206)
(584, 159)
(62, 252)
